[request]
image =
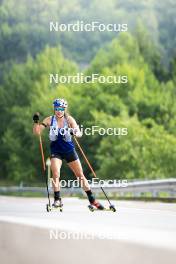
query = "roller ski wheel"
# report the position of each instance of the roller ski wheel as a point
(112, 208)
(91, 208)
(48, 208)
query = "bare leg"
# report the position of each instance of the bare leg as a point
(55, 167)
(78, 171)
(76, 167)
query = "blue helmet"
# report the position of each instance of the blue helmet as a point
(60, 102)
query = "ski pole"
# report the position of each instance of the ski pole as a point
(44, 166)
(91, 168)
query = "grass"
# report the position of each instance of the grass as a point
(145, 196)
(24, 194)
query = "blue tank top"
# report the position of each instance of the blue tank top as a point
(61, 140)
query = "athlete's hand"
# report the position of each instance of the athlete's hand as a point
(36, 117)
(76, 132)
(71, 131)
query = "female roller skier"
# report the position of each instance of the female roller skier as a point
(62, 147)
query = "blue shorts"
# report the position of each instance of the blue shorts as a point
(69, 156)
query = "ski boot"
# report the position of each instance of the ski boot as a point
(95, 205)
(57, 204)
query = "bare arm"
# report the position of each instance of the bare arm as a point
(74, 125)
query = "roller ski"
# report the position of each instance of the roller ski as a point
(56, 206)
(96, 206)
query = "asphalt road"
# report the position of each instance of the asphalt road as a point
(151, 225)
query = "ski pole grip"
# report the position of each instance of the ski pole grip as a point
(36, 117)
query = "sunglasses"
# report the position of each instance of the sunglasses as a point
(59, 109)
